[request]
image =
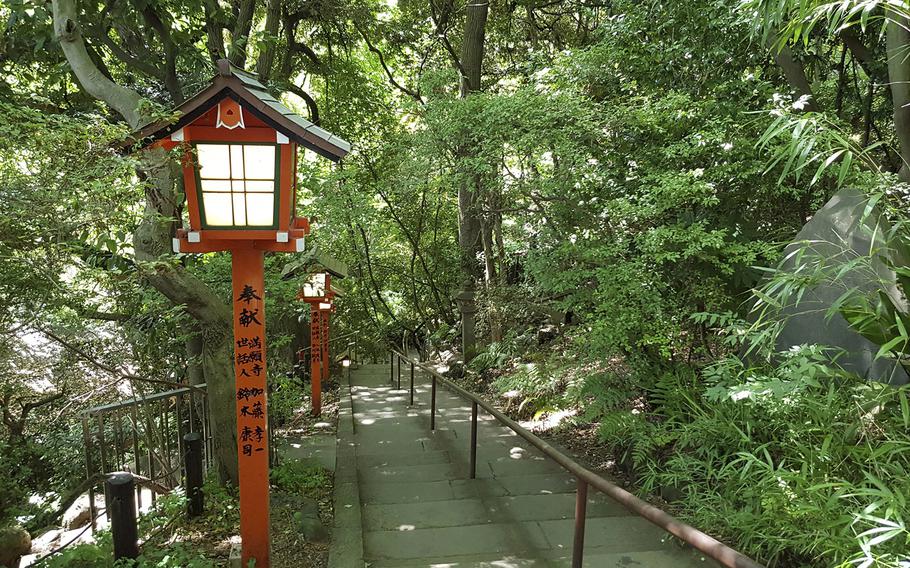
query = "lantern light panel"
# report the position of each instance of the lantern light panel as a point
(238, 184)
(315, 286)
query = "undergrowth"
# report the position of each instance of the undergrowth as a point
(792, 461)
(168, 539)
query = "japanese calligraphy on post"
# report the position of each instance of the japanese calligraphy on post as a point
(316, 335)
(249, 365)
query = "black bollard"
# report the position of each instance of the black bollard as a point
(121, 491)
(192, 446)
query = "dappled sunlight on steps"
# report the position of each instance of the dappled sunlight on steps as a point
(417, 506)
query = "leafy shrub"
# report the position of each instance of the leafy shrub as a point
(100, 554)
(797, 464)
(300, 477)
(493, 357)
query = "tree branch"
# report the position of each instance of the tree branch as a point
(240, 36)
(121, 374)
(898, 39)
(267, 55)
(795, 75)
(413, 94)
(864, 56)
(66, 28)
(441, 20)
(145, 66)
(171, 82)
(214, 39)
(309, 100)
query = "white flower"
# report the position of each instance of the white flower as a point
(801, 103)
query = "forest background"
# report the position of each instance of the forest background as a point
(622, 174)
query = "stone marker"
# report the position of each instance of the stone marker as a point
(309, 525)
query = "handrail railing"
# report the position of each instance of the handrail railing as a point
(145, 436)
(705, 543)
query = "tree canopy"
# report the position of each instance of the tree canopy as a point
(628, 172)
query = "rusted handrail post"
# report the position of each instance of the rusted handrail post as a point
(581, 507)
(399, 373)
(412, 383)
(473, 440)
(433, 405)
(391, 366)
(121, 488)
(89, 470)
(192, 446)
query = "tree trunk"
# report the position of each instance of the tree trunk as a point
(469, 237)
(267, 55)
(490, 278)
(240, 36)
(152, 243)
(898, 42)
(472, 49)
(213, 315)
(194, 345)
(796, 75)
(218, 366)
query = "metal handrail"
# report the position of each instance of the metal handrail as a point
(200, 388)
(332, 340)
(705, 543)
(147, 427)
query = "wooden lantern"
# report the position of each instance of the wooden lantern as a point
(239, 157)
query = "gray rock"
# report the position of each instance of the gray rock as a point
(547, 334)
(456, 370)
(309, 524)
(309, 507)
(79, 514)
(14, 543)
(671, 493)
(837, 232)
(314, 531)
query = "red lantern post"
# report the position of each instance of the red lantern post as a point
(317, 292)
(316, 362)
(239, 149)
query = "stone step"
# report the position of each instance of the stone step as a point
(472, 561)
(433, 514)
(454, 541)
(608, 535)
(385, 491)
(371, 460)
(389, 493)
(412, 473)
(644, 559)
(418, 508)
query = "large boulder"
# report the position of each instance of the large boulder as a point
(15, 542)
(840, 231)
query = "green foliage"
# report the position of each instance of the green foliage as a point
(495, 356)
(161, 533)
(222, 510)
(813, 145)
(87, 555)
(872, 299)
(796, 463)
(299, 477)
(632, 163)
(101, 555)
